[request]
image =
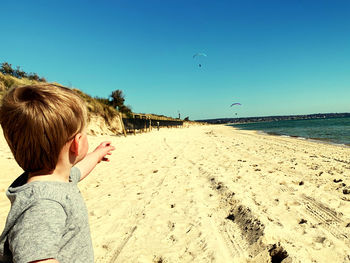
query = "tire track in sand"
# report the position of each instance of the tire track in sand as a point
(325, 217)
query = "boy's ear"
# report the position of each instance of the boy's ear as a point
(74, 147)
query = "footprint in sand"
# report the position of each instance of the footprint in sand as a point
(302, 221)
(173, 238)
(159, 259)
(171, 225)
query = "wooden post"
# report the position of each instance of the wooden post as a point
(121, 120)
(140, 124)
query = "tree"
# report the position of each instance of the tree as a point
(117, 99)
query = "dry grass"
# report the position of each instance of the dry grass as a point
(7, 81)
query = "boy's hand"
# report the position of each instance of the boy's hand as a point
(104, 149)
(92, 159)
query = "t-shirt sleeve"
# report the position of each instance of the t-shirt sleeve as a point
(74, 175)
(38, 232)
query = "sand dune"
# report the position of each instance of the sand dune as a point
(214, 194)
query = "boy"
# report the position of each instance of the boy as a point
(45, 128)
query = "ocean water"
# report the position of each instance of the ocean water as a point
(332, 130)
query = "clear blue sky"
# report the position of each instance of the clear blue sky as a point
(275, 57)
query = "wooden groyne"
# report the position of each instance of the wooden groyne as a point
(144, 123)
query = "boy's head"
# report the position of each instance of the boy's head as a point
(38, 120)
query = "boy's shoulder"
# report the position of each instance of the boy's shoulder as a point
(30, 202)
(45, 211)
(24, 194)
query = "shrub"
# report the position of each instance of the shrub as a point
(7, 69)
(19, 73)
(98, 106)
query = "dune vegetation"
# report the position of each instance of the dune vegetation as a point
(107, 108)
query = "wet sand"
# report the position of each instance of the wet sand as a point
(214, 194)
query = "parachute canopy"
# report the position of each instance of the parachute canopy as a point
(236, 103)
(199, 54)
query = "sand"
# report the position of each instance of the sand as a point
(214, 194)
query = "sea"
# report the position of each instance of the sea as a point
(328, 130)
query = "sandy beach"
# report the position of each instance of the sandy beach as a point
(213, 194)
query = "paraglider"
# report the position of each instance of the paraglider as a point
(236, 104)
(198, 56)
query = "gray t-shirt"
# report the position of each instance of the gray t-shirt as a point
(46, 220)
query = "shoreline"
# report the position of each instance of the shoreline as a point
(314, 139)
(213, 194)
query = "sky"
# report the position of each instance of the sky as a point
(274, 57)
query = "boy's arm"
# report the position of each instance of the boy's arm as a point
(49, 260)
(92, 159)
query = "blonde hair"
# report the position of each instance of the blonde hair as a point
(38, 120)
